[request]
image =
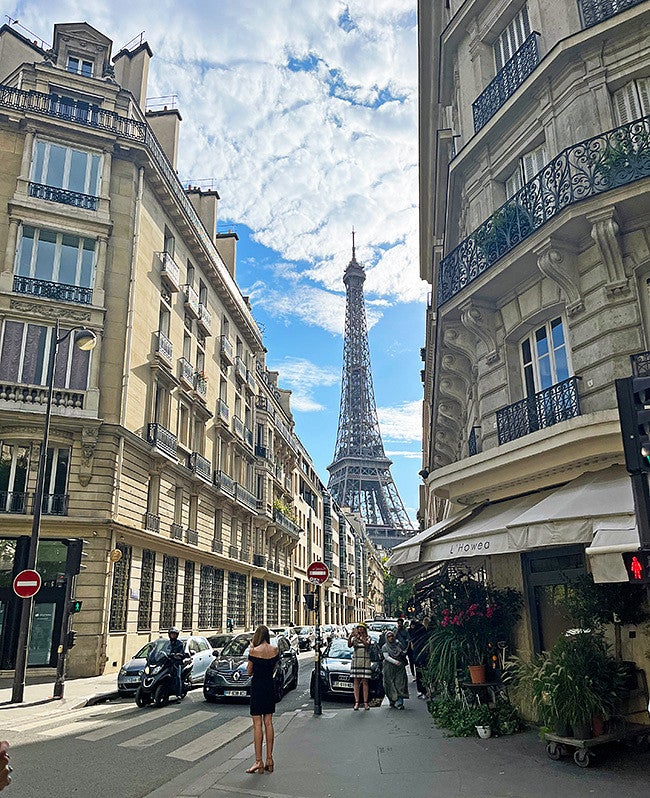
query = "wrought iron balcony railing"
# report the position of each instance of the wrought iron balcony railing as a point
(50, 290)
(640, 364)
(164, 348)
(152, 522)
(584, 170)
(245, 497)
(222, 409)
(205, 319)
(224, 483)
(162, 439)
(201, 384)
(259, 560)
(192, 537)
(544, 409)
(170, 272)
(35, 395)
(238, 427)
(12, 501)
(176, 532)
(191, 302)
(240, 368)
(64, 196)
(55, 504)
(217, 546)
(186, 372)
(200, 465)
(286, 523)
(227, 352)
(594, 11)
(506, 82)
(260, 451)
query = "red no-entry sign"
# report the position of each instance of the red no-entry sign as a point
(27, 584)
(318, 573)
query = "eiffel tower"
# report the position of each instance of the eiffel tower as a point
(360, 475)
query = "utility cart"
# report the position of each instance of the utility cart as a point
(583, 750)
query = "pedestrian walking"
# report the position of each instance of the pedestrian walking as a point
(395, 681)
(360, 669)
(404, 639)
(262, 659)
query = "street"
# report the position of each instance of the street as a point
(117, 749)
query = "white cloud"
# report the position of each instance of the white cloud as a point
(408, 455)
(304, 378)
(402, 423)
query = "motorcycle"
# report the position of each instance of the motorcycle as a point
(157, 682)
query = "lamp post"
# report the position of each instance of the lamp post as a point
(85, 340)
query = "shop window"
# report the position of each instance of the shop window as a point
(545, 357)
(56, 257)
(66, 167)
(237, 598)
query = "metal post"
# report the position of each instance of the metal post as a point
(641, 494)
(59, 684)
(28, 604)
(318, 710)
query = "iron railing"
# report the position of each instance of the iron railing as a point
(594, 11)
(506, 82)
(473, 445)
(286, 523)
(205, 319)
(233, 552)
(238, 427)
(49, 290)
(248, 436)
(191, 301)
(217, 546)
(539, 411)
(227, 348)
(176, 532)
(162, 439)
(186, 371)
(55, 504)
(152, 522)
(200, 465)
(222, 409)
(192, 537)
(259, 560)
(170, 271)
(13, 501)
(260, 451)
(165, 349)
(245, 497)
(201, 384)
(63, 195)
(240, 368)
(224, 482)
(640, 364)
(584, 170)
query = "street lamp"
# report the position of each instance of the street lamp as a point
(85, 340)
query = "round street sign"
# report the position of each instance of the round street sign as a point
(318, 573)
(27, 584)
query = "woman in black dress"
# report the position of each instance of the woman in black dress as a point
(262, 659)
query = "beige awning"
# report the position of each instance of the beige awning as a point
(609, 542)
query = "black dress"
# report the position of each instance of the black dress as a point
(262, 686)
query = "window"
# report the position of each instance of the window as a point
(183, 425)
(285, 604)
(272, 600)
(168, 592)
(120, 590)
(188, 596)
(511, 39)
(74, 109)
(161, 405)
(25, 351)
(56, 257)
(80, 66)
(57, 466)
(164, 319)
(187, 346)
(190, 274)
(527, 167)
(66, 167)
(203, 293)
(211, 590)
(544, 357)
(169, 242)
(14, 469)
(632, 101)
(237, 598)
(146, 589)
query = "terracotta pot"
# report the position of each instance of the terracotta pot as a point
(477, 674)
(597, 725)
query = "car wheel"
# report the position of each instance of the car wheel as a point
(142, 699)
(209, 698)
(161, 696)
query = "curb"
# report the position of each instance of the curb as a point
(97, 698)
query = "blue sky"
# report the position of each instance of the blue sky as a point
(303, 116)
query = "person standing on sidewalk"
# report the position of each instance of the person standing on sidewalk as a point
(420, 647)
(262, 659)
(360, 668)
(403, 638)
(395, 681)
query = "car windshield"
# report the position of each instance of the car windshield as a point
(219, 640)
(339, 648)
(237, 647)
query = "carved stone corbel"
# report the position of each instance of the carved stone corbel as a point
(89, 437)
(480, 321)
(605, 233)
(559, 264)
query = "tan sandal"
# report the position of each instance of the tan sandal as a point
(258, 767)
(269, 765)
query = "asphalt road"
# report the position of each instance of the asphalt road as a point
(117, 750)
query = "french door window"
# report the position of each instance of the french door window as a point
(632, 101)
(511, 39)
(544, 357)
(80, 66)
(14, 472)
(25, 351)
(57, 465)
(66, 168)
(56, 257)
(527, 167)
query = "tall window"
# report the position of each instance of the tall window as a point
(25, 351)
(168, 591)
(56, 257)
(527, 167)
(80, 66)
(183, 424)
(285, 604)
(120, 590)
(14, 470)
(66, 167)
(188, 596)
(146, 589)
(511, 39)
(272, 601)
(57, 465)
(544, 357)
(169, 244)
(211, 590)
(237, 598)
(632, 101)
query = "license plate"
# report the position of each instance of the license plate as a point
(235, 693)
(132, 680)
(343, 685)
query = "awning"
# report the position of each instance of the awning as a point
(609, 542)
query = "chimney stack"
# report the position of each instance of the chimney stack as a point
(165, 125)
(132, 71)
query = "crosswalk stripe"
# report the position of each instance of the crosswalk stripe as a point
(50, 719)
(126, 723)
(161, 733)
(212, 740)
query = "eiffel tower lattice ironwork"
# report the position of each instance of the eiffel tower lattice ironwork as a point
(360, 476)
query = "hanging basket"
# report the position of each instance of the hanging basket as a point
(477, 674)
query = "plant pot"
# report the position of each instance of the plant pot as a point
(562, 728)
(582, 731)
(477, 674)
(598, 725)
(484, 732)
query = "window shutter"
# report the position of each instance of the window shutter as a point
(626, 104)
(513, 183)
(12, 340)
(34, 358)
(532, 162)
(643, 84)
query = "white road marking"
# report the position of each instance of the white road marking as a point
(127, 723)
(212, 740)
(161, 733)
(57, 718)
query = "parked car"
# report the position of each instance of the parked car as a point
(289, 632)
(219, 641)
(128, 678)
(306, 637)
(227, 677)
(335, 678)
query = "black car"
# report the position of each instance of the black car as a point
(227, 677)
(335, 679)
(219, 641)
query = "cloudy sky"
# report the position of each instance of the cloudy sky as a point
(302, 115)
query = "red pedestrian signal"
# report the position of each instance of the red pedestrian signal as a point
(637, 565)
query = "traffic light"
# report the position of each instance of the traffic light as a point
(633, 397)
(75, 606)
(637, 565)
(71, 639)
(73, 562)
(311, 601)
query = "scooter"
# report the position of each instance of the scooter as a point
(157, 682)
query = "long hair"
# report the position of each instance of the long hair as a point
(261, 636)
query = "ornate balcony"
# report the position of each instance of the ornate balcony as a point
(13, 501)
(48, 290)
(240, 368)
(227, 351)
(594, 11)
(224, 483)
(217, 546)
(238, 427)
(200, 465)
(35, 395)
(62, 195)
(233, 552)
(201, 384)
(248, 436)
(162, 439)
(544, 409)
(222, 410)
(245, 497)
(251, 382)
(176, 532)
(582, 171)
(506, 82)
(204, 319)
(286, 524)
(186, 372)
(170, 272)
(192, 537)
(191, 302)
(152, 522)
(164, 348)
(261, 451)
(55, 504)
(259, 560)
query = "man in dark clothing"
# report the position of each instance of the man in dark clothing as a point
(420, 650)
(404, 639)
(177, 653)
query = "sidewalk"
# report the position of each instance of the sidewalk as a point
(386, 752)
